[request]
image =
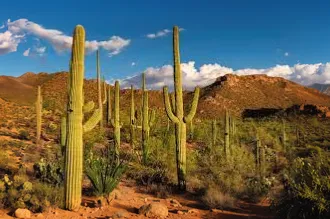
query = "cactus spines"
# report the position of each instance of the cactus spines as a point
(75, 127)
(116, 123)
(214, 132)
(132, 118)
(39, 115)
(227, 134)
(177, 115)
(99, 87)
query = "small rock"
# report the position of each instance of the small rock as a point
(180, 212)
(193, 211)
(146, 200)
(120, 214)
(154, 210)
(22, 213)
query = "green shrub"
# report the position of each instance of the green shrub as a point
(50, 172)
(306, 191)
(104, 173)
(214, 198)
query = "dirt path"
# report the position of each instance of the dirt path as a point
(130, 198)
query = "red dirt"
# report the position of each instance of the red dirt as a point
(131, 198)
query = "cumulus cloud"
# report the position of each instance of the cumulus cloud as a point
(160, 33)
(2, 26)
(9, 42)
(305, 74)
(61, 42)
(27, 52)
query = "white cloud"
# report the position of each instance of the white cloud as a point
(286, 54)
(40, 50)
(2, 26)
(27, 52)
(9, 42)
(62, 42)
(305, 74)
(160, 33)
(133, 64)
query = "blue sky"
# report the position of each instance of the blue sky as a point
(237, 34)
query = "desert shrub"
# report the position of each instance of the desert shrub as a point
(23, 135)
(256, 188)
(306, 191)
(153, 173)
(104, 172)
(19, 192)
(50, 172)
(214, 198)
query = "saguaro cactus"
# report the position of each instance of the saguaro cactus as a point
(227, 134)
(115, 122)
(39, 114)
(109, 106)
(75, 127)
(99, 87)
(132, 118)
(176, 115)
(147, 120)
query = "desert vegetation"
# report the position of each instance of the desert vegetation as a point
(69, 155)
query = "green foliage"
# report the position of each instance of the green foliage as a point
(50, 172)
(307, 189)
(104, 172)
(18, 192)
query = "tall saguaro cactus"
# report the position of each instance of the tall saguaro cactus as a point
(99, 87)
(75, 127)
(63, 131)
(109, 106)
(132, 118)
(177, 115)
(115, 122)
(39, 114)
(147, 120)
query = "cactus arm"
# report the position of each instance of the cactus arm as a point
(99, 87)
(168, 107)
(88, 107)
(193, 109)
(109, 106)
(92, 121)
(105, 91)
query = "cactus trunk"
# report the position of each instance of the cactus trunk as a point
(176, 115)
(74, 145)
(99, 87)
(116, 122)
(132, 119)
(39, 115)
(109, 107)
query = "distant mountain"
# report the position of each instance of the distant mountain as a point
(233, 92)
(324, 88)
